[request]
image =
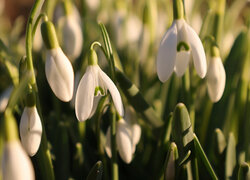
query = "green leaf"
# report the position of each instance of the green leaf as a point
(244, 171)
(138, 102)
(182, 132)
(96, 171)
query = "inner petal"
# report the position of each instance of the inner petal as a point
(182, 61)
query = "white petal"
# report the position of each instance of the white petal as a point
(85, 96)
(167, 54)
(198, 52)
(16, 165)
(108, 143)
(60, 74)
(95, 104)
(72, 38)
(30, 130)
(108, 83)
(182, 61)
(216, 79)
(124, 141)
(136, 133)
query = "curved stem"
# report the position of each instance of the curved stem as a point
(43, 15)
(29, 41)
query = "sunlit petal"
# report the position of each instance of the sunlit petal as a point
(124, 141)
(198, 52)
(85, 96)
(216, 79)
(108, 83)
(167, 54)
(72, 38)
(182, 61)
(30, 130)
(60, 74)
(15, 163)
(95, 104)
(108, 143)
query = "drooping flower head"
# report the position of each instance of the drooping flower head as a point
(30, 125)
(216, 77)
(177, 45)
(30, 130)
(127, 137)
(58, 69)
(69, 27)
(94, 84)
(15, 161)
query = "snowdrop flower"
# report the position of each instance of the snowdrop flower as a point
(127, 137)
(30, 130)
(176, 47)
(92, 86)
(70, 31)
(123, 140)
(216, 79)
(58, 69)
(15, 163)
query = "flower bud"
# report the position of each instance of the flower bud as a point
(216, 79)
(30, 130)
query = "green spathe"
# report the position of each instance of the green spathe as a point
(49, 35)
(182, 132)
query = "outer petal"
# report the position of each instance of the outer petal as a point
(216, 79)
(72, 38)
(95, 104)
(85, 96)
(198, 52)
(136, 135)
(108, 83)
(124, 141)
(30, 130)
(182, 61)
(167, 54)
(15, 163)
(108, 143)
(60, 74)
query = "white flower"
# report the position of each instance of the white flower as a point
(16, 165)
(92, 86)
(123, 140)
(30, 130)
(71, 36)
(127, 137)
(60, 74)
(216, 79)
(174, 53)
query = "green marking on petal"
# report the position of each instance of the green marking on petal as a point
(182, 46)
(99, 89)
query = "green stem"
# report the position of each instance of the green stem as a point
(37, 22)
(42, 158)
(178, 9)
(114, 165)
(201, 153)
(29, 40)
